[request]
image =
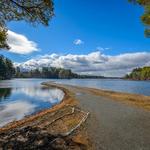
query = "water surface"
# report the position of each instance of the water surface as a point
(22, 97)
(119, 85)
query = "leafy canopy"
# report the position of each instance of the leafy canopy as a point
(146, 16)
(32, 11)
(139, 74)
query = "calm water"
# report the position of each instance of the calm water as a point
(137, 87)
(22, 97)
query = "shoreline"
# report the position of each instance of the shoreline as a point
(65, 101)
(138, 100)
(64, 121)
(81, 134)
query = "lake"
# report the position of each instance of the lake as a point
(120, 85)
(23, 97)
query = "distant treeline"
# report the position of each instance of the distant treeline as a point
(7, 69)
(139, 74)
(51, 72)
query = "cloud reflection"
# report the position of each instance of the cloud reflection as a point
(15, 111)
(45, 95)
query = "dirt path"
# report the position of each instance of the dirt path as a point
(113, 125)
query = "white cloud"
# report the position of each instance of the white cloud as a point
(102, 49)
(107, 48)
(95, 63)
(78, 42)
(20, 44)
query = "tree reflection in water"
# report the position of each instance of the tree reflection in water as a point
(5, 93)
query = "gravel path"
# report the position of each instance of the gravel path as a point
(113, 125)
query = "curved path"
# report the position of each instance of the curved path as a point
(113, 125)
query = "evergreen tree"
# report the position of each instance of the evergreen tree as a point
(6, 68)
(146, 16)
(139, 74)
(32, 11)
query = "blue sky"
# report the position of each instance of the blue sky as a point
(113, 27)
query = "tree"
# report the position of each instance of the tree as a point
(6, 68)
(10, 70)
(65, 74)
(3, 38)
(146, 16)
(139, 74)
(17, 72)
(32, 11)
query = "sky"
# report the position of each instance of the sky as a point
(88, 36)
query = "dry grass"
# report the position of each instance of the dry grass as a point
(133, 99)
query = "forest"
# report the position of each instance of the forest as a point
(139, 74)
(51, 73)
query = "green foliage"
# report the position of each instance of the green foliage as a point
(50, 72)
(146, 16)
(32, 11)
(46, 72)
(3, 38)
(6, 68)
(147, 33)
(139, 74)
(140, 2)
(63, 74)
